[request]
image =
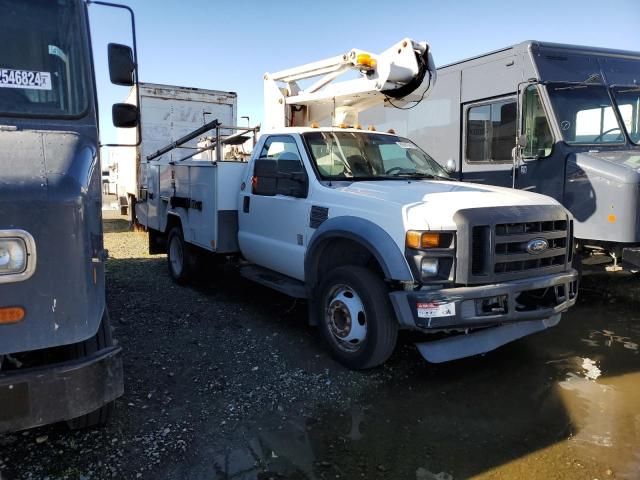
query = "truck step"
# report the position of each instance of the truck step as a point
(276, 281)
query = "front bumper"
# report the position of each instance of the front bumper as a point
(464, 300)
(63, 391)
(457, 309)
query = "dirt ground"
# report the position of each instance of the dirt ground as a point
(225, 380)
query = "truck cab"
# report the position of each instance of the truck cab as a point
(561, 120)
(377, 236)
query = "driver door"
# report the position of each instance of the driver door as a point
(541, 168)
(273, 220)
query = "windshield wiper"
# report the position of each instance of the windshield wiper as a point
(418, 175)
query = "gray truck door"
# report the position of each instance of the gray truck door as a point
(488, 137)
(541, 165)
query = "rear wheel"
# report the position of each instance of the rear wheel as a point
(179, 257)
(356, 317)
(102, 339)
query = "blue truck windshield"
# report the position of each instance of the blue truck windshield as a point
(42, 71)
(369, 156)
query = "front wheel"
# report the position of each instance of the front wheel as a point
(356, 317)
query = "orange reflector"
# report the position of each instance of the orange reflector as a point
(391, 131)
(11, 315)
(314, 125)
(419, 240)
(371, 128)
(612, 218)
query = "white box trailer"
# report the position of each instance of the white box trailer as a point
(167, 113)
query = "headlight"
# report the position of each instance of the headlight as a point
(429, 267)
(13, 256)
(17, 255)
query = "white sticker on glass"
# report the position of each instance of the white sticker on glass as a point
(405, 145)
(11, 78)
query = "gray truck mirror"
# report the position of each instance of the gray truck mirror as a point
(451, 166)
(522, 141)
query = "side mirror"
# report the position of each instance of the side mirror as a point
(273, 177)
(264, 177)
(522, 141)
(121, 64)
(124, 115)
(451, 166)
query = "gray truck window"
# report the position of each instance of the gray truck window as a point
(41, 61)
(585, 113)
(491, 131)
(628, 102)
(535, 125)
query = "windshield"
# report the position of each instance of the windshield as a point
(360, 155)
(628, 102)
(41, 67)
(585, 113)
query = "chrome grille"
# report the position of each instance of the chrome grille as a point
(499, 243)
(512, 241)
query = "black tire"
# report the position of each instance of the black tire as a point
(341, 290)
(180, 258)
(102, 339)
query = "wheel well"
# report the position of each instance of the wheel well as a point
(338, 252)
(158, 240)
(172, 221)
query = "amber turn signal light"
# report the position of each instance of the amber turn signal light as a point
(11, 315)
(419, 240)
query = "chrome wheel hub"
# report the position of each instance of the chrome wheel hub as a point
(346, 318)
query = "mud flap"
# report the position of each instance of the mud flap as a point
(483, 341)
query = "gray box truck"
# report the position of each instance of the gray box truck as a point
(560, 120)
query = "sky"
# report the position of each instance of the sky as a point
(230, 45)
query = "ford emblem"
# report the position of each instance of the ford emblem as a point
(537, 245)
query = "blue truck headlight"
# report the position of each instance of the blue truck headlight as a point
(429, 267)
(17, 255)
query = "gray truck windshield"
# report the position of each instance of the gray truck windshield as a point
(360, 156)
(42, 71)
(628, 102)
(585, 113)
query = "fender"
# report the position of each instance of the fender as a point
(366, 233)
(181, 214)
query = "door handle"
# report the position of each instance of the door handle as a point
(246, 200)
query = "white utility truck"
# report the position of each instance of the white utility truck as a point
(364, 224)
(169, 112)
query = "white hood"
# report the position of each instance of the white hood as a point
(431, 205)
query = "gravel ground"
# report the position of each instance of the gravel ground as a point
(200, 362)
(224, 379)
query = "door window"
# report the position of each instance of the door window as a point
(491, 131)
(535, 125)
(281, 169)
